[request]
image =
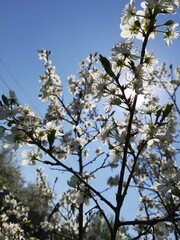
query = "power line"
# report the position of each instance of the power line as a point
(18, 84)
(2, 87)
(5, 83)
(12, 75)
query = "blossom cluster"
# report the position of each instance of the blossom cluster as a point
(14, 216)
(139, 23)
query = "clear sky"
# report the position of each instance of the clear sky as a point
(71, 29)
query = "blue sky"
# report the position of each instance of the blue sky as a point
(70, 29)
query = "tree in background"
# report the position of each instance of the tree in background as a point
(105, 139)
(10, 173)
(24, 205)
(18, 200)
(27, 209)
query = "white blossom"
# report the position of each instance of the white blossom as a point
(30, 156)
(171, 34)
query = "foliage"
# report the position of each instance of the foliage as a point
(19, 198)
(103, 130)
(10, 173)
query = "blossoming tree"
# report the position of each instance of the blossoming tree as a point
(107, 141)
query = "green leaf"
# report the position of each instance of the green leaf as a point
(167, 110)
(73, 207)
(176, 192)
(51, 137)
(158, 112)
(107, 66)
(25, 222)
(9, 124)
(169, 23)
(116, 101)
(73, 181)
(5, 99)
